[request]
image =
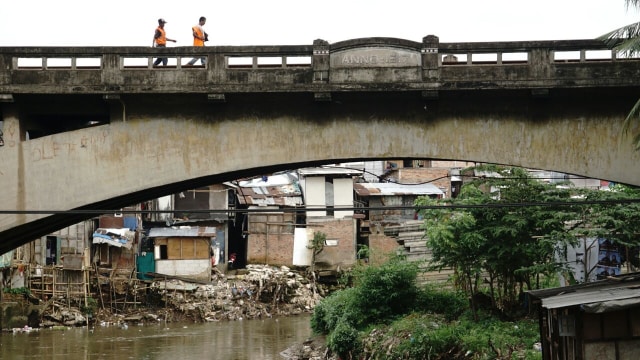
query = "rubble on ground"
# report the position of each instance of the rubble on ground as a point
(258, 291)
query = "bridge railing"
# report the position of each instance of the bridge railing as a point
(514, 53)
(255, 57)
(113, 69)
(97, 58)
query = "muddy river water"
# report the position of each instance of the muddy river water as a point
(229, 340)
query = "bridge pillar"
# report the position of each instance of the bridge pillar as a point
(540, 63)
(12, 171)
(430, 68)
(112, 74)
(320, 61)
(216, 68)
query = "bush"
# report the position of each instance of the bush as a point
(343, 340)
(451, 304)
(387, 291)
(340, 306)
(17, 291)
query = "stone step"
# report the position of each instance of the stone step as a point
(442, 276)
(417, 256)
(413, 234)
(412, 243)
(420, 250)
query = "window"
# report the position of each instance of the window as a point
(161, 252)
(567, 325)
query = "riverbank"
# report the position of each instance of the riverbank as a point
(259, 291)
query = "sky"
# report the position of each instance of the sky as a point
(299, 22)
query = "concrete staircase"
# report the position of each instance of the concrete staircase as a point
(414, 246)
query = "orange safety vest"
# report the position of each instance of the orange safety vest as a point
(198, 30)
(162, 39)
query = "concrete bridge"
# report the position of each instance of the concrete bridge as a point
(101, 128)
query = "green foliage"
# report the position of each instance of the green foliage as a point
(423, 336)
(451, 304)
(16, 291)
(317, 243)
(504, 336)
(387, 290)
(483, 233)
(619, 222)
(340, 306)
(90, 308)
(344, 339)
(363, 252)
(380, 293)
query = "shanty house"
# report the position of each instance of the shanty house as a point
(591, 321)
(184, 251)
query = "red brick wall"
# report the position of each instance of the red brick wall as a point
(274, 249)
(270, 239)
(380, 247)
(420, 175)
(343, 230)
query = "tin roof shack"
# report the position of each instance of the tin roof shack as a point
(52, 265)
(183, 251)
(269, 232)
(114, 246)
(591, 321)
(204, 207)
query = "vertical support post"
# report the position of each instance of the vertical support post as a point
(430, 69)
(320, 61)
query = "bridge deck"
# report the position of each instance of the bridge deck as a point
(370, 64)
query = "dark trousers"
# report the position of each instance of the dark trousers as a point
(160, 60)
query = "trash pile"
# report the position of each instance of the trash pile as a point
(259, 291)
(263, 291)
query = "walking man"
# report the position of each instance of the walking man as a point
(199, 37)
(160, 40)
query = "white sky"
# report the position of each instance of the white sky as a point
(299, 22)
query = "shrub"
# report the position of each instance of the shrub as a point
(451, 304)
(342, 305)
(387, 290)
(343, 340)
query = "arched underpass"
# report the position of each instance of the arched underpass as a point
(169, 143)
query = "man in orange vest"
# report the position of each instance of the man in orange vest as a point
(199, 37)
(160, 40)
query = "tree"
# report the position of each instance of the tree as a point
(617, 219)
(513, 245)
(317, 246)
(626, 40)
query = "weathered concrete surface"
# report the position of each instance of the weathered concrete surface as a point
(168, 144)
(173, 128)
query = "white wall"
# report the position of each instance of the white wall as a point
(200, 268)
(315, 194)
(342, 196)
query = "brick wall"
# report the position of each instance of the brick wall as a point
(270, 238)
(420, 175)
(343, 254)
(380, 247)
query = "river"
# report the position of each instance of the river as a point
(228, 340)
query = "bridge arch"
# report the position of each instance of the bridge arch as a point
(161, 130)
(169, 143)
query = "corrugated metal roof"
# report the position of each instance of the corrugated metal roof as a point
(336, 170)
(387, 189)
(593, 296)
(596, 297)
(114, 237)
(284, 195)
(183, 231)
(270, 180)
